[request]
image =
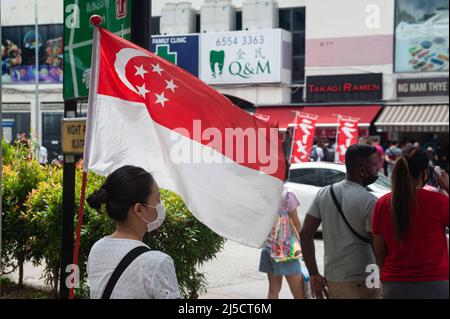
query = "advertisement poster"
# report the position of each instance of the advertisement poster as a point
(18, 54)
(421, 36)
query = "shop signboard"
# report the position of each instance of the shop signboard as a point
(181, 50)
(246, 57)
(422, 87)
(350, 87)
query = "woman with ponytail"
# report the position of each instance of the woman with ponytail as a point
(409, 232)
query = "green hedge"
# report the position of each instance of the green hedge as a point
(32, 208)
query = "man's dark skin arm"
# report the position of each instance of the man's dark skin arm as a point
(318, 283)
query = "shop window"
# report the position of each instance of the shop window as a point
(239, 20)
(297, 95)
(298, 41)
(293, 20)
(155, 27)
(285, 19)
(298, 19)
(298, 70)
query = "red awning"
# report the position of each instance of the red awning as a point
(285, 115)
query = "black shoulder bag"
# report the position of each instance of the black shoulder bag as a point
(338, 206)
(124, 263)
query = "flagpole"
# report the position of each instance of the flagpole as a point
(336, 153)
(1, 153)
(293, 136)
(78, 236)
(96, 21)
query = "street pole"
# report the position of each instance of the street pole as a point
(36, 80)
(67, 219)
(1, 148)
(141, 14)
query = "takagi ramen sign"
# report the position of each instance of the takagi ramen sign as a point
(242, 57)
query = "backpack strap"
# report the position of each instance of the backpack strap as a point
(339, 208)
(121, 267)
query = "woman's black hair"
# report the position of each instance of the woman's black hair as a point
(123, 188)
(406, 173)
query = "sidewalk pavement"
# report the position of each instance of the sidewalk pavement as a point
(233, 274)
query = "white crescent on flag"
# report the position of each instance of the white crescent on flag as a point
(123, 57)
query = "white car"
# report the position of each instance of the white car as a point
(306, 179)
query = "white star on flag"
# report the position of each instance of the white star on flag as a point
(142, 90)
(157, 69)
(161, 99)
(140, 70)
(171, 86)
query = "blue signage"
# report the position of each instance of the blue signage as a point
(180, 50)
(8, 123)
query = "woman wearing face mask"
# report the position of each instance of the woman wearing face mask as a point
(409, 233)
(121, 266)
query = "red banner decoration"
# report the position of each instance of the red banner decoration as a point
(305, 128)
(347, 136)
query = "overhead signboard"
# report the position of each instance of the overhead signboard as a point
(246, 57)
(350, 87)
(425, 87)
(78, 34)
(181, 50)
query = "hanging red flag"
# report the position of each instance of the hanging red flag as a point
(305, 128)
(347, 136)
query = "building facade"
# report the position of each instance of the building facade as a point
(384, 62)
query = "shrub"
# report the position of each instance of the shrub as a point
(19, 178)
(182, 237)
(7, 153)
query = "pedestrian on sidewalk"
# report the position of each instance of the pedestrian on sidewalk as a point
(375, 142)
(291, 269)
(392, 154)
(345, 211)
(409, 232)
(121, 266)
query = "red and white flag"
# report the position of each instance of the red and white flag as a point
(226, 165)
(347, 136)
(305, 128)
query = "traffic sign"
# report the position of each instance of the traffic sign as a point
(73, 132)
(78, 34)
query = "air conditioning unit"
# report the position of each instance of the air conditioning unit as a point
(249, 14)
(184, 18)
(260, 14)
(207, 16)
(168, 20)
(225, 16)
(217, 15)
(177, 18)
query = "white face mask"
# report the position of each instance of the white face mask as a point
(161, 211)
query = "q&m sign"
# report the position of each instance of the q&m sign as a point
(73, 131)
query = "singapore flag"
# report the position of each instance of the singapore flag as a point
(226, 165)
